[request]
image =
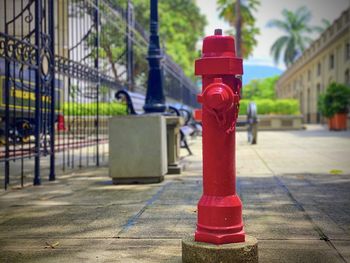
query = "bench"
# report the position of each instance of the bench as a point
(191, 128)
(135, 101)
(251, 122)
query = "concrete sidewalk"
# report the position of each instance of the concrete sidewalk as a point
(295, 187)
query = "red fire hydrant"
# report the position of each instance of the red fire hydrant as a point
(60, 122)
(219, 209)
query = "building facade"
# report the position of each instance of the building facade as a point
(326, 60)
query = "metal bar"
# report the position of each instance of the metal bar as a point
(52, 175)
(7, 107)
(22, 109)
(38, 85)
(97, 45)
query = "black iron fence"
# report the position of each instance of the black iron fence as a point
(60, 65)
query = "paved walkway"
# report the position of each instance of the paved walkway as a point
(294, 186)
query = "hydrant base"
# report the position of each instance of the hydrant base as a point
(199, 252)
(219, 239)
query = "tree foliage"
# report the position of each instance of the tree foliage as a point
(180, 26)
(325, 23)
(336, 99)
(260, 89)
(296, 27)
(90, 109)
(227, 11)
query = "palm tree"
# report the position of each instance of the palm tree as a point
(325, 24)
(238, 27)
(238, 13)
(294, 42)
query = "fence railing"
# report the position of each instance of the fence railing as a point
(60, 65)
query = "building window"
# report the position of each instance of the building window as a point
(318, 69)
(347, 51)
(347, 77)
(318, 90)
(330, 80)
(309, 75)
(331, 61)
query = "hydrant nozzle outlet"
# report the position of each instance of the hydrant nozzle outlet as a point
(218, 96)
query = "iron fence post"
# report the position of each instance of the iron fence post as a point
(7, 112)
(97, 45)
(38, 10)
(52, 175)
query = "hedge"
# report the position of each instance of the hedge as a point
(89, 109)
(265, 106)
(269, 106)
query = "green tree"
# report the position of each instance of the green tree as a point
(296, 28)
(240, 16)
(112, 47)
(180, 26)
(325, 23)
(260, 89)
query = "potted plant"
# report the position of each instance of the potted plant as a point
(334, 104)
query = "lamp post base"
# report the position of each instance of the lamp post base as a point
(154, 108)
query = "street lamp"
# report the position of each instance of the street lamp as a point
(155, 99)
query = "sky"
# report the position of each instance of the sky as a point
(271, 9)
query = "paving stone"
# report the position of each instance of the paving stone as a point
(303, 251)
(343, 247)
(289, 198)
(92, 250)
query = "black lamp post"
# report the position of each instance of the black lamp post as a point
(155, 100)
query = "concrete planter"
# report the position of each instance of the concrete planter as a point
(138, 149)
(338, 122)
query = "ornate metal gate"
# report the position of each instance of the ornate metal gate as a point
(50, 87)
(27, 88)
(60, 65)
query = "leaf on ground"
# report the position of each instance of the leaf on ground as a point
(335, 171)
(53, 245)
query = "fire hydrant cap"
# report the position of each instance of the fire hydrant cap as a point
(218, 56)
(218, 45)
(218, 96)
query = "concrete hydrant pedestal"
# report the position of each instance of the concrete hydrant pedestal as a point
(219, 209)
(173, 124)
